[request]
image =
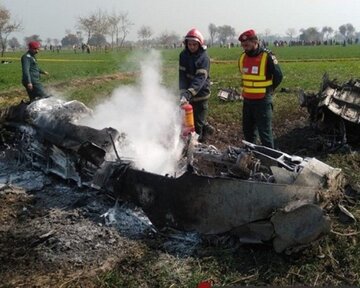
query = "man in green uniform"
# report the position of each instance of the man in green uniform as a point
(31, 73)
(261, 74)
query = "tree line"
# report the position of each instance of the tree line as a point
(100, 29)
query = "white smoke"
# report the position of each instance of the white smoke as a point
(149, 115)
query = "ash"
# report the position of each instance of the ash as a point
(181, 244)
(58, 225)
(129, 220)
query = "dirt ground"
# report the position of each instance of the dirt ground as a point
(53, 231)
(55, 234)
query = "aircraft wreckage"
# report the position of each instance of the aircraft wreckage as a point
(335, 111)
(261, 195)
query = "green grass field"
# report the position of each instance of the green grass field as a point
(63, 66)
(297, 63)
(336, 260)
(303, 68)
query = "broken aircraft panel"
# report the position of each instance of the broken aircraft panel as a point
(259, 194)
(335, 110)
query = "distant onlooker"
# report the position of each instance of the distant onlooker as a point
(31, 73)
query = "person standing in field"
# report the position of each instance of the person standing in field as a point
(194, 81)
(31, 73)
(261, 74)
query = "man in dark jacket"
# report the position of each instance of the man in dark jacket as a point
(31, 73)
(194, 80)
(261, 74)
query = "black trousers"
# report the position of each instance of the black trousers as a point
(200, 109)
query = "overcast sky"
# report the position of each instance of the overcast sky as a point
(50, 18)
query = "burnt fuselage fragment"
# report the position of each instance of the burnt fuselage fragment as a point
(257, 193)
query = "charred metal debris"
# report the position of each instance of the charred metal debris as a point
(334, 112)
(257, 194)
(229, 94)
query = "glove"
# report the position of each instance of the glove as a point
(183, 100)
(186, 94)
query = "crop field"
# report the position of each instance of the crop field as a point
(332, 261)
(302, 66)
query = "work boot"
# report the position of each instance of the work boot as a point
(209, 130)
(202, 139)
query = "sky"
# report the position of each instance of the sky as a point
(51, 18)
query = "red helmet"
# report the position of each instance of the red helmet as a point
(34, 45)
(195, 35)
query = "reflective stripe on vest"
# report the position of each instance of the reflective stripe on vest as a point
(254, 81)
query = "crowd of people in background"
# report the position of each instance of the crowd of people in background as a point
(53, 48)
(83, 47)
(281, 43)
(286, 43)
(86, 48)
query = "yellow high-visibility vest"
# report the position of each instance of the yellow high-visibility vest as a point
(254, 80)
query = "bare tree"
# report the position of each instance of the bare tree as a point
(168, 39)
(34, 37)
(114, 20)
(125, 25)
(56, 42)
(310, 34)
(87, 24)
(350, 30)
(14, 43)
(290, 32)
(145, 33)
(213, 30)
(119, 24)
(342, 30)
(327, 31)
(97, 40)
(347, 30)
(225, 33)
(7, 26)
(69, 40)
(95, 23)
(102, 22)
(267, 34)
(79, 36)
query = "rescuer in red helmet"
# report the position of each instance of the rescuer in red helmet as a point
(261, 74)
(194, 80)
(31, 72)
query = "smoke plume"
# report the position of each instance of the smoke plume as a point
(149, 115)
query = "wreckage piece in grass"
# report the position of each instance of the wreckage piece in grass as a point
(273, 198)
(259, 194)
(335, 111)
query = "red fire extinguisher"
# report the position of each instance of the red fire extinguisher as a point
(188, 119)
(206, 284)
